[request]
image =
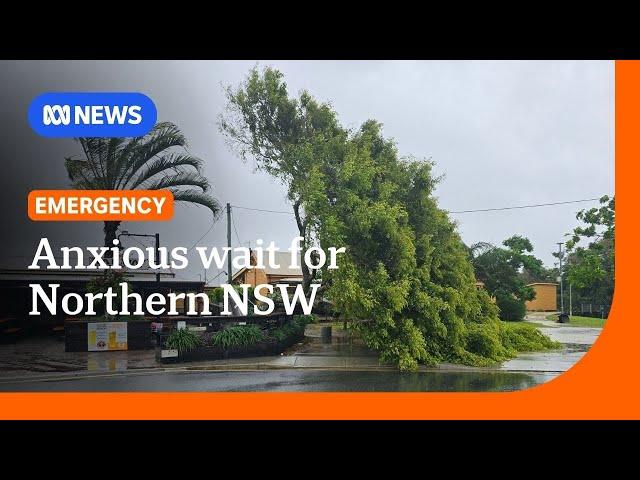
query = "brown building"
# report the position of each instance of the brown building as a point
(258, 276)
(546, 298)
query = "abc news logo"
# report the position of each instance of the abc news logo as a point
(91, 115)
(84, 114)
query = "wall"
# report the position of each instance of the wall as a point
(546, 298)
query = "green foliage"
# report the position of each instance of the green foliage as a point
(295, 327)
(406, 271)
(523, 337)
(406, 277)
(288, 137)
(511, 308)
(237, 336)
(109, 279)
(154, 161)
(505, 273)
(217, 294)
(183, 340)
(590, 263)
(580, 321)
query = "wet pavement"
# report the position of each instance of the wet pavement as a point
(40, 364)
(37, 355)
(300, 380)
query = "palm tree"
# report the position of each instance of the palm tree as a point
(157, 160)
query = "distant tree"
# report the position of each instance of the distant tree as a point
(157, 160)
(590, 261)
(505, 273)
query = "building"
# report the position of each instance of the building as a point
(546, 298)
(260, 276)
(15, 294)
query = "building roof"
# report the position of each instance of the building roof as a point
(542, 283)
(283, 260)
(23, 274)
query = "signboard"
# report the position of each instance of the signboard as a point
(169, 353)
(107, 336)
(197, 329)
(182, 325)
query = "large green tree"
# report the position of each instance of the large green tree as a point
(289, 137)
(406, 277)
(406, 280)
(157, 160)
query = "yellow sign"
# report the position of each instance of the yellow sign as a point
(107, 336)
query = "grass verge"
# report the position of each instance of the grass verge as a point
(578, 321)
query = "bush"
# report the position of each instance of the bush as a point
(524, 337)
(183, 340)
(295, 327)
(216, 296)
(485, 342)
(511, 309)
(237, 336)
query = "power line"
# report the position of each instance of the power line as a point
(233, 222)
(457, 211)
(526, 206)
(262, 210)
(205, 233)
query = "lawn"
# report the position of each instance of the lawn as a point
(578, 321)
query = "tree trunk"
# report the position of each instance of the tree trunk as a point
(109, 236)
(307, 274)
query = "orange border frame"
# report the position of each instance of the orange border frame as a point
(600, 386)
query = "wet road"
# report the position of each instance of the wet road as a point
(288, 380)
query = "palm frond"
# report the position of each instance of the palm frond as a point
(142, 162)
(197, 197)
(162, 137)
(165, 163)
(183, 179)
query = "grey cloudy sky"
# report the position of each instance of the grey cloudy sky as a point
(502, 133)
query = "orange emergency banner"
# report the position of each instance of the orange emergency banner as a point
(100, 205)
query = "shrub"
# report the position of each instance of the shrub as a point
(524, 337)
(236, 336)
(216, 296)
(511, 309)
(183, 340)
(295, 327)
(484, 342)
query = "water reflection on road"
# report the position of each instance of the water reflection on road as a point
(294, 380)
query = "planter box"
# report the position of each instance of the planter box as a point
(264, 348)
(138, 335)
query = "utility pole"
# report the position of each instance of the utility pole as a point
(156, 255)
(560, 275)
(229, 272)
(570, 302)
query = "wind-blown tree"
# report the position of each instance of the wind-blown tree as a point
(288, 137)
(157, 160)
(406, 277)
(405, 280)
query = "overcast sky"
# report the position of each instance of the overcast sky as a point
(502, 133)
